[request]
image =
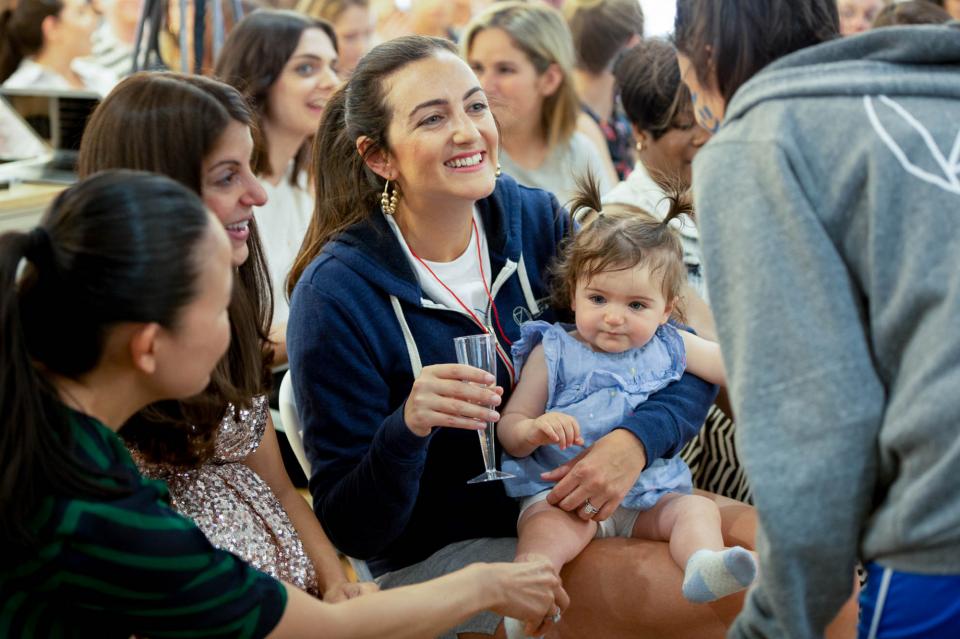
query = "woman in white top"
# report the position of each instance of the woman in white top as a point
(523, 55)
(658, 106)
(42, 43)
(283, 62)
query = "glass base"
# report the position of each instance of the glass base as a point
(490, 475)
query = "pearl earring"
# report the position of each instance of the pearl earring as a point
(498, 172)
(388, 201)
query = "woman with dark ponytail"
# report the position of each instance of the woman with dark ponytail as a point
(43, 44)
(101, 323)
(415, 241)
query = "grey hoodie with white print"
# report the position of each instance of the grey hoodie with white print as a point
(829, 207)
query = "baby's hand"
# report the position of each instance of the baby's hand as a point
(555, 428)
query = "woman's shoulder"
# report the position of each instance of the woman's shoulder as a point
(30, 75)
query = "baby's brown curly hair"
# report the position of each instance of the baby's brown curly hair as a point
(619, 236)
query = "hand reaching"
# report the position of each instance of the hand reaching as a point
(530, 591)
(346, 590)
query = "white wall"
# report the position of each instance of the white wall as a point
(658, 16)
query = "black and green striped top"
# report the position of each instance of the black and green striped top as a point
(129, 565)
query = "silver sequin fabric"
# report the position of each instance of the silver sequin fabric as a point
(233, 506)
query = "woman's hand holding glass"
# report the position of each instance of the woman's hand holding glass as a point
(440, 398)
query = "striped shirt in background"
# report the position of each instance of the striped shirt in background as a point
(129, 565)
(110, 53)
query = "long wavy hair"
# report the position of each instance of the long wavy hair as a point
(252, 59)
(170, 123)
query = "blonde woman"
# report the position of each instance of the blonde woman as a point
(523, 55)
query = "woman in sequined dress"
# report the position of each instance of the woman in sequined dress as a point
(218, 451)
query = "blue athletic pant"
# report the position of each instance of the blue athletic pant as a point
(897, 605)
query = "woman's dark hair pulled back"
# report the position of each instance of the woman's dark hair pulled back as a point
(653, 96)
(100, 257)
(21, 32)
(348, 191)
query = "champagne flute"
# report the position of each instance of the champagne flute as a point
(480, 351)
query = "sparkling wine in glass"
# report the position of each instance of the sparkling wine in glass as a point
(480, 351)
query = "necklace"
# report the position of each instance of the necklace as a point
(504, 357)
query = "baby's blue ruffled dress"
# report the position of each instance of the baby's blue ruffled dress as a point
(599, 390)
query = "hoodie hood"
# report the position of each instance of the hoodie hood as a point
(865, 64)
(371, 249)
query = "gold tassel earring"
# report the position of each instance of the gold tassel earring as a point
(388, 200)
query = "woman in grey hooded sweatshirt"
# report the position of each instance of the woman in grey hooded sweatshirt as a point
(829, 206)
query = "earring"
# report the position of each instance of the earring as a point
(388, 201)
(498, 172)
(639, 147)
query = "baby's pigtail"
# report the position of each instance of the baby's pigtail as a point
(586, 200)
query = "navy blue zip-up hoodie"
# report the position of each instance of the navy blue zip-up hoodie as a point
(356, 330)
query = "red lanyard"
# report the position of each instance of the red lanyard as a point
(496, 317)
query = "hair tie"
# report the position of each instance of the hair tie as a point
(39, 248)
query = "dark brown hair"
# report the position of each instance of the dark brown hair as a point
(252, 59)
(21, 32)
(601, 29)
(653, 96)
(618, 237)
(101, 256)
(168, 123)
(911, 12)
(729, 41)
(348, 191)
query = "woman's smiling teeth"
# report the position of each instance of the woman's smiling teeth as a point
(470, 160)
(238, 227)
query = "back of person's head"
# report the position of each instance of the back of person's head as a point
(735, 39)
(618, 237)
(168, 123)
(253, 58)
(161, 122)
(911, 12)
(601, 29)
(651, 91)
(101, 257)
(347, 189)
(542, 34)
(21, 32)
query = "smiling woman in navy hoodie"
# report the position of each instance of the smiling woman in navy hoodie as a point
(415, 241)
